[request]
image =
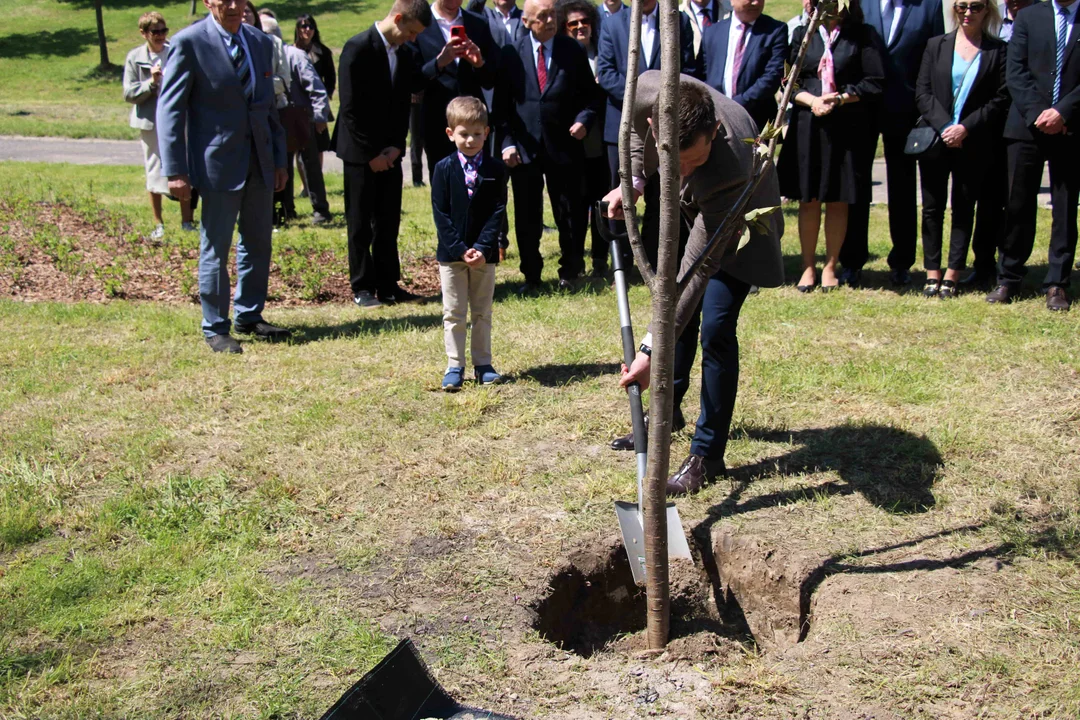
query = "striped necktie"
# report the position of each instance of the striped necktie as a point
(240, 64)
(1063, 32)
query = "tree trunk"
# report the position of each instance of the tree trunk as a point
(661, 396)
(103, 46)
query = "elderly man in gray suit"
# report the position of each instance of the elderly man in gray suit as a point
(715, 164)
(219, 132)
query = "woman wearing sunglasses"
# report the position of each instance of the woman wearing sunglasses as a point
(307, 39)
(961, 94)
(143, 71)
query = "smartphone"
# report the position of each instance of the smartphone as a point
(458, 31)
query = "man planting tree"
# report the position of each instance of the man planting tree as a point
(715, 164)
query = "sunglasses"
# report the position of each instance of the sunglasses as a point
(575, 24)
(975, 7)
(306, 27)
(159, 31)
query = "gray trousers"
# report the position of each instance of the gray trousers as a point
(253, 206)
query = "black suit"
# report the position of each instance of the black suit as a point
(373, 116)
(1032, 66)
(538, 125)
(455, 80)
(983, 115)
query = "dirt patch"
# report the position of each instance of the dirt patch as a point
(57, 252)
(592, 604)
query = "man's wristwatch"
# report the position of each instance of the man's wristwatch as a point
(645, 350)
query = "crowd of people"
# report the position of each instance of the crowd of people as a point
(226, 107)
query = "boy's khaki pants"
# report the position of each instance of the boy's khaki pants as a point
(467, 289)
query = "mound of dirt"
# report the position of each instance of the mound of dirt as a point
(52, 251)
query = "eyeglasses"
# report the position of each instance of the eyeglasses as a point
(575, 24)
(306, 27)
(975, 7)
(159, 31)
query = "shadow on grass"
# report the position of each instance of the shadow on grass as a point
(892, 468)
(364, 326)
(68, 42)
(559, 375)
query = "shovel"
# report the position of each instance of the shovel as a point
(631, 522)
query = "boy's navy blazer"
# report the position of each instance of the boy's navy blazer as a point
(538, 123)
(463, 222)
(762, 68)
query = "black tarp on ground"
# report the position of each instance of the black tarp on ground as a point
(400, 687)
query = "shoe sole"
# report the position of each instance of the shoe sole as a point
(451, 388)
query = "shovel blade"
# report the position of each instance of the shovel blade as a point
(633, 533)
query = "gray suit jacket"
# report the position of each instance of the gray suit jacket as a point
(709, 194)
(137, 88)
(207, 129)
(306, 89)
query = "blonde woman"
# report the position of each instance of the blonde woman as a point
(143, 71)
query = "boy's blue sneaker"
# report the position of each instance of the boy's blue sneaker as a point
(453, 379)
(486, 375)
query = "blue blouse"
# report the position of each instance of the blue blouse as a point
(963, 77)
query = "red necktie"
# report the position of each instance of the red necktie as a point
(541, 69)
(706, 21)
(736, 63)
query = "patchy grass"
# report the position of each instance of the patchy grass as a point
(185, 534)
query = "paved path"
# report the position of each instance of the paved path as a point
(129, 152)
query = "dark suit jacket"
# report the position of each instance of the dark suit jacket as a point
(984, 112)
(374, 114)
(762, 65)
(455, 80)
(919, 21)
(538, 124)
(709, 194)
(611, 63)
(463, 222)
(1030, 72)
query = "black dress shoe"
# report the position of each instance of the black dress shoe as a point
(931, 288)
(599, 270)
(851, 278)
(565, 284)
(900, 278)
(263, 330)
(1057, 300)
(805, 288)
(366, 299)
(626, 442)
(319, 218)
(948, 290)
(694, 473)
(224, 344)
(529, 289)
(1001, 295)
(397, 295)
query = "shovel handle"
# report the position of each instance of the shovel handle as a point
(633, 391)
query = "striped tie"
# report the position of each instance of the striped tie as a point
(240, 64)
(1063, 31)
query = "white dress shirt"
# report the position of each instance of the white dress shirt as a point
(649, 35)
(897, 12)
(445, 25)
(1071, 12)
(735, 30)
(391, 53)
(506, 20)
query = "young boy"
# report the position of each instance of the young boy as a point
(468, 199)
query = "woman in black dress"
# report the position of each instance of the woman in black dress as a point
(842, 73)
(307, 38)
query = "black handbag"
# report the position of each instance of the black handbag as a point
(922, 141)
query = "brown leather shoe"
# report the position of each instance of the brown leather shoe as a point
(1001, 295)
(1057, 300)
(694, 473)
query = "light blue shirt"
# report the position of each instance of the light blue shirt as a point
(228, 38)
(1070, 11)
(963, 77)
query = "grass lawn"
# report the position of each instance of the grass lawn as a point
(187, 535)
(49, 82)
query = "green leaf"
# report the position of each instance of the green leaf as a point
(744, 239)
(750, 141)
(760, 213)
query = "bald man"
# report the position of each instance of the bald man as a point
(546, 103)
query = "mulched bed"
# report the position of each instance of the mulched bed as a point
(50, 251)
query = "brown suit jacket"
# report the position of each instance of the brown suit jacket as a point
(710, 192)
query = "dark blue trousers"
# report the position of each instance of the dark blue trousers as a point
(720, 307)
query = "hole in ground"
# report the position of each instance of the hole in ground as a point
(592, 601)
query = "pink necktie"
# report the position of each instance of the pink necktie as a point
(826, 70)
(541, 69)
(736, 63)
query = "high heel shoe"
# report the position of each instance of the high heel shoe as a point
(829, 288)
(948, 290)
(932, 287)
(805, 288)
